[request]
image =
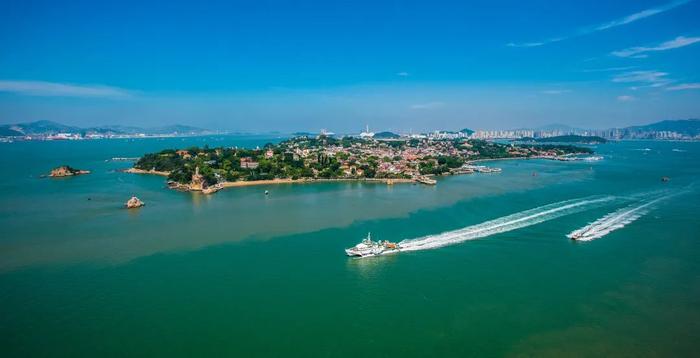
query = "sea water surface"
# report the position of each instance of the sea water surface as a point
(490, 271)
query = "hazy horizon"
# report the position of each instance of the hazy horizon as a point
(297, 67)
(547, 127)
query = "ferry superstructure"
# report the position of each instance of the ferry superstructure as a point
(368, 248)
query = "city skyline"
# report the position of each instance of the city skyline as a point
(291, 67)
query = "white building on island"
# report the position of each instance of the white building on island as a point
(367, 134)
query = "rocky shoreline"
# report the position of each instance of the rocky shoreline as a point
(196, 185)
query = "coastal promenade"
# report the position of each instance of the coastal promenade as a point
(242, 183)
(141, 171)
(233, 184)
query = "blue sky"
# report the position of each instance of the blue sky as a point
(305, 65)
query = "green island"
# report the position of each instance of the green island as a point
(326, 158)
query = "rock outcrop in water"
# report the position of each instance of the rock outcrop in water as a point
(66, 171)
(134, 202)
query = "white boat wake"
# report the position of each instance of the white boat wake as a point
(615, 220)
(504, 224)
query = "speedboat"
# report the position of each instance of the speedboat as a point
(372, 248)
(581, 234)
(575, 236)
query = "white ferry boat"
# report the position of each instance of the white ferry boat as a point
(372, 248)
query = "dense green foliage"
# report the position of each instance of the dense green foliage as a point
(441, 164)
(164, 161)
(489, 150)
(225, 164)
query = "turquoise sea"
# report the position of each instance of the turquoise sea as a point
(243, 274)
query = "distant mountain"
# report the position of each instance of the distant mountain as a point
(386, 135)
(172, 129)
(175, 129)
(117, 129)
(9, 132)
(687, 127)
(44, 128)
(41, 127)
(467, 131)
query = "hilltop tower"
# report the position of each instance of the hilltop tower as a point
(197, 182)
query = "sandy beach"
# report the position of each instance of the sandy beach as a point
(304, 181)
(141, 171)
(233, 184)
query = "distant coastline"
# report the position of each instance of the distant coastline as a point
(49, 131)
(685, 130)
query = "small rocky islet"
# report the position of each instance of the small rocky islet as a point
(66, 171)
(134, 203)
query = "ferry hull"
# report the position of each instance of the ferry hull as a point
(368, 248)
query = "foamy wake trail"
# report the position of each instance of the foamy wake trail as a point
(504, 224)
(615, 220)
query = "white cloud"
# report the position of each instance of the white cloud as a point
(608, 25)
(640, 15)
(403, 74)
(648, 78)
(639, 51)
(626, 98)
(609, 69)
(53, 89)
(535, 44)
(684, 86)
(429, 105)
(560, 91)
